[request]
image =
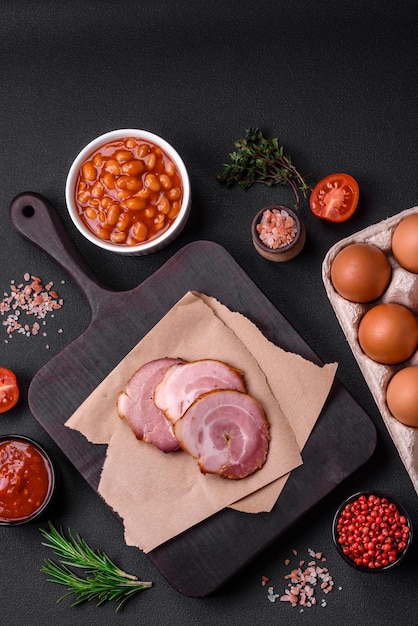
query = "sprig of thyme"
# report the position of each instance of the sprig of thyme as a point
(260, 160)
(104, 581)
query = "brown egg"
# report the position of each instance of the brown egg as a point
(388, 333)
(402, 396)
(360, 272)
(405, 243)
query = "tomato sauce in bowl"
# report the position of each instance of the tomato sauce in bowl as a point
(27, 479)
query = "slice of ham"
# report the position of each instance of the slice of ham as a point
(136, 405)
(227, 432)
(183, 383)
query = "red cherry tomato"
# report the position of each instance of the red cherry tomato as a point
(9, 389)
(335, 198)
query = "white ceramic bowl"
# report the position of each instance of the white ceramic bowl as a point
(147, 246)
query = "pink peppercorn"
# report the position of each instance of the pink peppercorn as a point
(371, 531)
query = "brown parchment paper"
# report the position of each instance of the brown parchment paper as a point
(300, 387)
(160, 495)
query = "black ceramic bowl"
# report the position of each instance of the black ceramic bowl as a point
(284, 252)
(378, 549)
(27, 480)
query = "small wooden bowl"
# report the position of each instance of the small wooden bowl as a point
(286, 252)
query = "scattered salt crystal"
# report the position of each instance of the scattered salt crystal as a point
(33, 300)
(302, 583)
(271, 595)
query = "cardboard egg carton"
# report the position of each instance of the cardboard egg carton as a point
(402, 289)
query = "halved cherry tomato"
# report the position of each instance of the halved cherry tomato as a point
(9, 389)
(335, 198)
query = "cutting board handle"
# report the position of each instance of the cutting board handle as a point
(36, 220)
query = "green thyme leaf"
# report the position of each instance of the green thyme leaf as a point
(260, 160)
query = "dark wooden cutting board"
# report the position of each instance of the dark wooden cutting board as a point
(201, 559)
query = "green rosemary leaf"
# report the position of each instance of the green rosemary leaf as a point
(103, 580)
(261, 160)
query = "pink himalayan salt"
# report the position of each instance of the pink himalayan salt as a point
(276, 228)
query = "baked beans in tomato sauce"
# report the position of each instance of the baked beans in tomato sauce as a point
(25, 480)
(128, 191)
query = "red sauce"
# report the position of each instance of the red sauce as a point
(25, 480)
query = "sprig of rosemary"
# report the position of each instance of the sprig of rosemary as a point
(260, 160)
(104, 581)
